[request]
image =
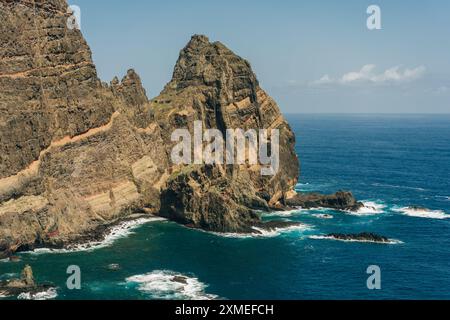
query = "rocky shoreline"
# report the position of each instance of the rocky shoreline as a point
(23, 285)
(339, 201)
(85, 240)
(67, 177)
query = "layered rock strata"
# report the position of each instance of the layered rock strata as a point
(77, 153)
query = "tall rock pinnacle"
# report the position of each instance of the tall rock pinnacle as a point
(212, 84)
(78, 154)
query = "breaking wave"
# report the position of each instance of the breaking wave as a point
(169, 285)
(422, 213)
(43, 295)
(263, 233)
(302, 186)
(296, 211)
(285, 213)
(322, 216)
(370, 208)
(121, 230)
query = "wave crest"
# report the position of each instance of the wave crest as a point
(122, 230)
(169, 285)
(42, 295)
(369, 208)
(422, 213)
(264, 233)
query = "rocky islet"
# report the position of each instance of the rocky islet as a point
(78, 155)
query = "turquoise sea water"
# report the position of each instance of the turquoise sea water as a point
(388, 161)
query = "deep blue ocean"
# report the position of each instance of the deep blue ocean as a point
(389, 161)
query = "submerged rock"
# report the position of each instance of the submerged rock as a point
(364, 236)
(180, 279)
(113, 267)
(418, 208)
(341, 200)
(323, 216)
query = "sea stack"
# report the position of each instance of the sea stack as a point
(77, 153)
(23, 285)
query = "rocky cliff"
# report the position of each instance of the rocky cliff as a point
(213, 85)
(77, 153)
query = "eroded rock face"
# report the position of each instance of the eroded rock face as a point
(77, 153)
(49, 87)
(218, 88)
(205, 197)
(212, 84)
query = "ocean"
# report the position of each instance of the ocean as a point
(389, 162)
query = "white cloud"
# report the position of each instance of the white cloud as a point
(324, 80)
(367, 75)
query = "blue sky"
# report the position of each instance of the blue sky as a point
(311, 56)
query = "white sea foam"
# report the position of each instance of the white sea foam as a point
(293, 212)
(302, 186)
(397, 186)
(369, 208)
(3, 295)
(263, 233)
(279, 231)
(322, 216)
(422, 213)
(285, 213)
(43, 295)
(318, 237)
(122, 230)
(163, 284)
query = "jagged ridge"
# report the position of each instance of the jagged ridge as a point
(77, 154)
